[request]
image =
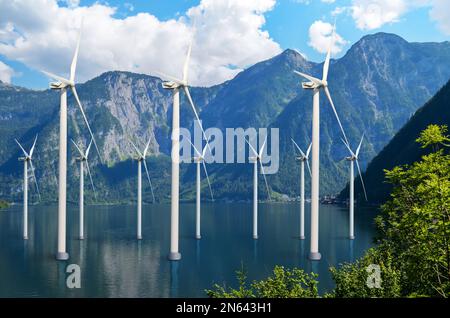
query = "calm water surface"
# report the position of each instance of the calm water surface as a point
(114, 264)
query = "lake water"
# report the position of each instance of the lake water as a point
(114, 264)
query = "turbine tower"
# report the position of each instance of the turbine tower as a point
(302, 158)
(83, 158)
(27, 158)
(63, 85)
(354, 157)
(175, 85)
(200, 159)
(257, 158)
(316, 85)
(141, 159)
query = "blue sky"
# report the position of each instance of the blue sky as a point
(288, 23)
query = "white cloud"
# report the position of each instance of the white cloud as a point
(6, 73)
(42, 34)
(307, 2)
(320, 34)
(372, 14)
(71, 3)
(440, 12)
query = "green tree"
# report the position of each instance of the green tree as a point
(416, 220)
(352, 278)
(414, 249)
(283, 283)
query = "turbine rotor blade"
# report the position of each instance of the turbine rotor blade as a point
(146, 148)
(361, 178)
(76, 146)
(35, 180)
(169, 77)
(23, 150)
(262, 147)
(88, 148)
(326, 65)
(348, 147)
(195, 148)
(148, 178)
(207, 178)
(359, 147)
(327, 92)
(206, 147)
(73, 66)
(186, 62)
(58, 78)
(188, 94)
(265, 180)
(298, 147)
(308, 151)
(137, 150)
(309, 167)
(309, 77)
(251, 147)
(90, 177)
(86, 121)
(32, 148)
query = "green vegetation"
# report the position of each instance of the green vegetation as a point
(3, 204)
(413, 250)
(284, 283)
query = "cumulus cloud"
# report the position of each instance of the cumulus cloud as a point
(373, 14)
(370, 14)
(6, 73)
(229, 36)
(440, 12)
(320, 34)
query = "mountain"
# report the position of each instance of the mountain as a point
(403, 148)
(376, 87)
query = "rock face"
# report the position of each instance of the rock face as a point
(403, 148)
(376, 87)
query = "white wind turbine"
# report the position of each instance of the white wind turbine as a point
(200, 159)
(304, 157)
(175, 85)
(316, 85)
(63, 85)
(257, 158)
(27, 158)
(354, 157)
(141, 159)
(83, 158)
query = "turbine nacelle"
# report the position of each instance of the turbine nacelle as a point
(57, 85)
(197, 159)
(254, 159)
(170, 85)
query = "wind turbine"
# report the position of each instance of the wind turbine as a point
(27, 158)
(354, 157)
(82, 159)
(175, 85)
(141, 159)
(63, 85)
(316, 85)
(302, 158)
(200, 159)
(257, 158)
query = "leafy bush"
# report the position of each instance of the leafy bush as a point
(283, 283)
